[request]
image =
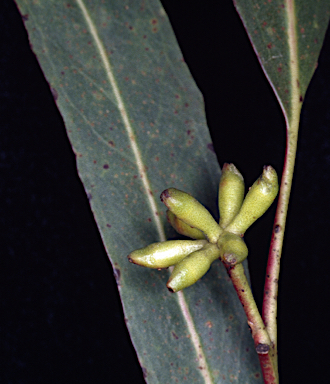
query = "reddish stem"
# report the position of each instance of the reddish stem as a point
(260, 335)
(267, 367)
(269, 309)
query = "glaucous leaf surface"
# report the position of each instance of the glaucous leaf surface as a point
(136, 122)
(287, 37)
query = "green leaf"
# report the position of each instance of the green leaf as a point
(136, 122)
(287, 37)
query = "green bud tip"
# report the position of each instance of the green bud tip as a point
(257, 201)
(231, 193)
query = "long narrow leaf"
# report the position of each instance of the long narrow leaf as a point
(136, 122)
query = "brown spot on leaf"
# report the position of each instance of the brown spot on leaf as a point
(175, 335)
(106, 166)
(269, 45)
(25, 17)
(209, 324)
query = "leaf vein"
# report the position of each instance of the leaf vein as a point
(124, 115)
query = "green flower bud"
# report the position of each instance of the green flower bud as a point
(166, 253)
(192, 268)
(257, 201)
(233, 249)
(183, 228)
(231, 193)
(190, 211)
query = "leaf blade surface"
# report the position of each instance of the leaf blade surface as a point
(136, 122)
(287, 37)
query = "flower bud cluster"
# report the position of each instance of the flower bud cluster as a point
(192, 258)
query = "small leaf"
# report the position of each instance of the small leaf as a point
(136, 122)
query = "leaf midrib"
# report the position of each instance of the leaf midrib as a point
(202, 363)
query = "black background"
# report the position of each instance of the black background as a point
(61, 319)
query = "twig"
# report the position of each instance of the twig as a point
(260, 335)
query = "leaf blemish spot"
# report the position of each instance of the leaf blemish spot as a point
(106, 166)
(175, 335)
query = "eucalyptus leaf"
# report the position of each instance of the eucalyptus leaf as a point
(287, 37)
(136, 122)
